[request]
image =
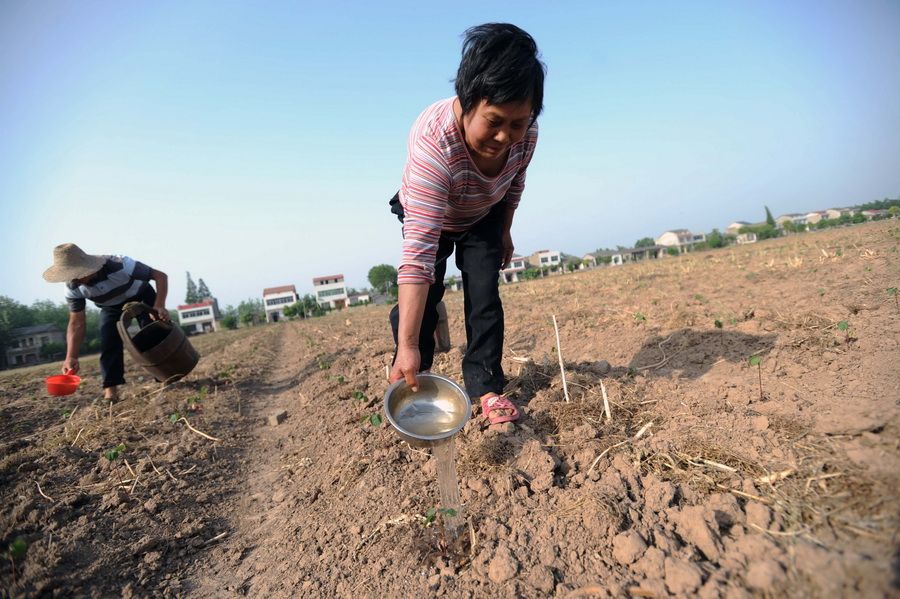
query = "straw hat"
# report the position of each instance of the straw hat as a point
(70, 263)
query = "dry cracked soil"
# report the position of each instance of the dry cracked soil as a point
(709, 476)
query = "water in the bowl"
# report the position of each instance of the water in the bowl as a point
(428, 416)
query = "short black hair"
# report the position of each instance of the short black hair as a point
(500, 63)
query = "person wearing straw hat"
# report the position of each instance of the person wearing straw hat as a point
(110, 282)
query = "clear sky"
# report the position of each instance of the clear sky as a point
(256, 144)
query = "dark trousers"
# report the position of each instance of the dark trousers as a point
(478, 255)
(112, 360)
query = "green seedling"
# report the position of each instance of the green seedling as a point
(718, 323)
(113, 454)
(372, 419)
(639, 318)
(757, 361)
(844, 327)
(359, 396)
(432, 513)
(821, 292)
(65, 414)
(174, 417)
(700, 298)
(324, 364)
(16, 550)
(340, 379)
(194, 400)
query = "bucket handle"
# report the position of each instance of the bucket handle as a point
(130, 311)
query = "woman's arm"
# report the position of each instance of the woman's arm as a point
(411, 303)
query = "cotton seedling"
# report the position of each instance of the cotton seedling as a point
(844, 327)
(340, 379)
(174, 417)
(113, 454)
(756, 361)
(15, 551)
(372, 419)
(359, 396)
(718, 323)
(432, 513)
(639, 318)
(194, 400)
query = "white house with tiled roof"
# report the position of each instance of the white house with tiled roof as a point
(330, 291)
(201, 317)
(276, 299)
(680, 238)
(511, 273)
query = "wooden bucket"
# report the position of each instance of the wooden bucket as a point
(161, 348)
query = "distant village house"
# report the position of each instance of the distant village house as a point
(26, 342)
(513, 272)
(331, 291)
(682, 239)
(276, 299)
(545, 258)
(201, 317)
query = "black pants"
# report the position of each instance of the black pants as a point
(112, 360)
(478, 256)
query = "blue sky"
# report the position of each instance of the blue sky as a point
(257, 144)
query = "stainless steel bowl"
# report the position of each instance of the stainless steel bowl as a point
(438, 410)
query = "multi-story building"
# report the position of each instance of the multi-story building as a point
(511, 273)
(330, 291)
(545, 258)
(276, 299)
(680, 238)
(25, 344)
(201, 317)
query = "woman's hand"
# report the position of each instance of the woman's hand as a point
(406, 365)
(508, 248)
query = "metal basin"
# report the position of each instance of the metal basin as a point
(438, 410)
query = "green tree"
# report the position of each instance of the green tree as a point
(383, 277)
(191, 296)
(716, 240)
(769, 219)
(644, 242)
(203, 291)
(251, 311)
(12, 316)
(230, 322)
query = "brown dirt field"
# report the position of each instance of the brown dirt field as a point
(732, 491)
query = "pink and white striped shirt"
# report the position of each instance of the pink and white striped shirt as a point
(443, 190)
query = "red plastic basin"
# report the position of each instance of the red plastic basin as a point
(63, 384)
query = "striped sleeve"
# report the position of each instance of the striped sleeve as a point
(75, 299)
(139, 270)
(518, 183)
(424, 192)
